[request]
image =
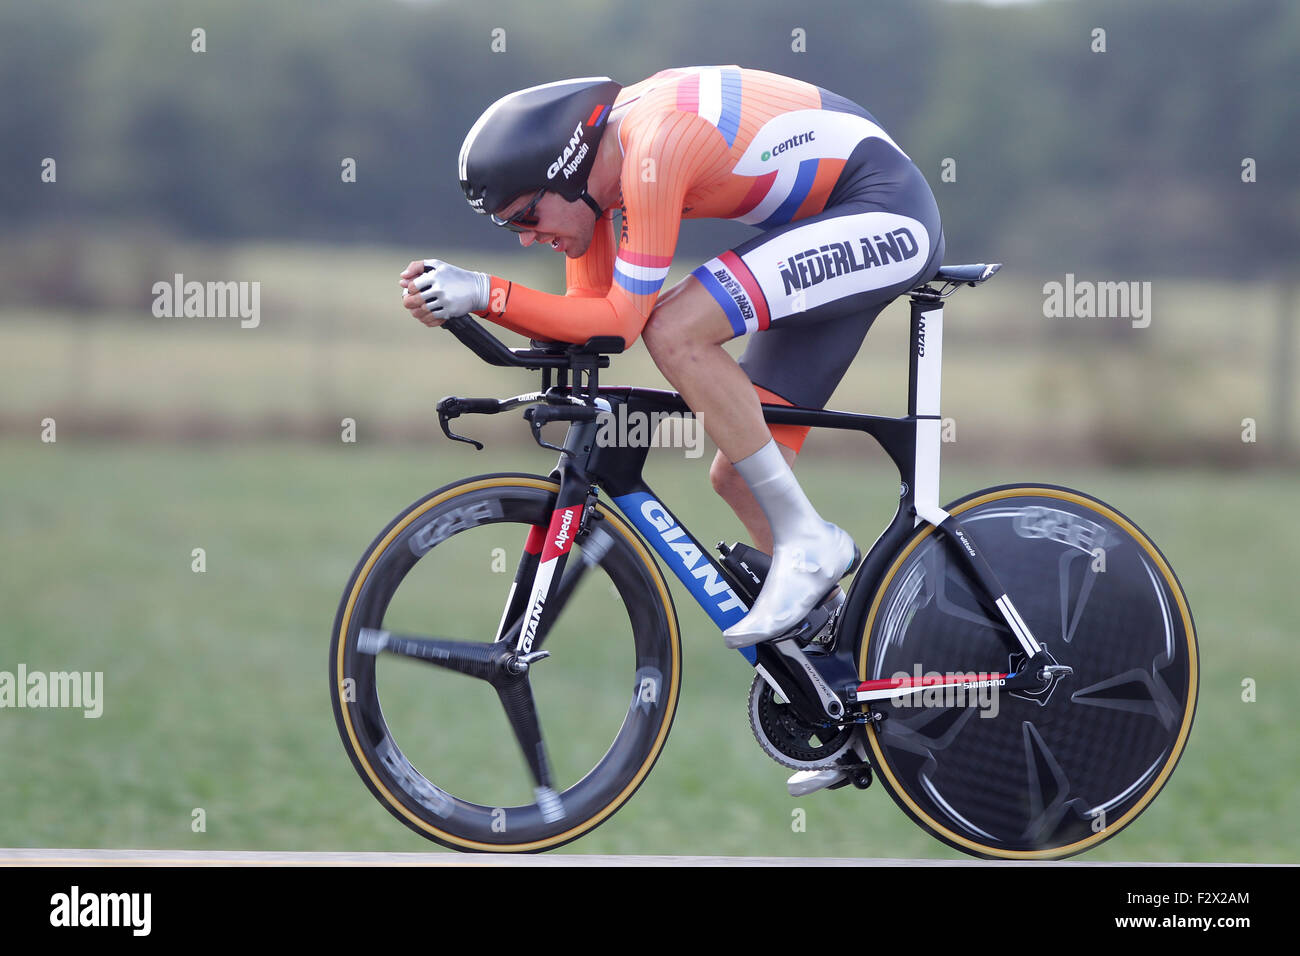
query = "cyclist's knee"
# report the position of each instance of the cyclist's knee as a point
(685, 319)
(657, 334)
(669, 339)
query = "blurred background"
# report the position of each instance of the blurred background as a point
(310, 147)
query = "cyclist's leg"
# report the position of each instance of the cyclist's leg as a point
(801, 357)
(790, 365)
(684, 337)
(846, 261)
(809, 553)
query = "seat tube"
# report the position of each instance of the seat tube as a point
(923, 405)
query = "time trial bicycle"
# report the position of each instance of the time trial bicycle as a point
(1018, 668)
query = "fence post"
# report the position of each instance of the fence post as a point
(1284, 367)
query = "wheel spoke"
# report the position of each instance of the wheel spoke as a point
(465, 657)
(521, 710)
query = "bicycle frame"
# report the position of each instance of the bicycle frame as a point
(818, 683)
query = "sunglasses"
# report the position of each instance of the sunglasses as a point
(523, 220)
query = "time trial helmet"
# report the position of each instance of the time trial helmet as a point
(541, 138)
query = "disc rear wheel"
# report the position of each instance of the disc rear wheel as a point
(1041, 774)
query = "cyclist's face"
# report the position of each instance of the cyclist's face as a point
(566, 226)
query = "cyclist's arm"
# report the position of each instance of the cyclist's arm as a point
(589, 276)
(664, 156)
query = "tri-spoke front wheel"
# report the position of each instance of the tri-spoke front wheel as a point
(471, 747)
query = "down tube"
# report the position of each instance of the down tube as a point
(687, 558)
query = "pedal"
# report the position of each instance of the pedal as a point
(811, 629)
(810, 781)
(817, 630)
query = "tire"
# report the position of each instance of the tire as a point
(1021, 776)
(440, 754)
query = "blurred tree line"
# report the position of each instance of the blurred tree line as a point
(1065, 158)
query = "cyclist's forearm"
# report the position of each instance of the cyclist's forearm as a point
(562, 318)
(592, 273)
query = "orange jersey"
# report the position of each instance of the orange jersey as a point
(700, 142)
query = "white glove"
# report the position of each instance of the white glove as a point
(449, 291)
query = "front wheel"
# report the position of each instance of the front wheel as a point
(1019, 775)
(455, 750)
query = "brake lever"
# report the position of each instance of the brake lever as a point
(453, 407)
(540, 415)
(442, 420)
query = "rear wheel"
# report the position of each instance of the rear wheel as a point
(1018, 775)
(449, 752)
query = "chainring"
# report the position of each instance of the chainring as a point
(789, 739)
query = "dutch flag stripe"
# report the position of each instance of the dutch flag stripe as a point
(638, 286)
(645, 259)
(729, 116)
(642, 272)
(711, 95)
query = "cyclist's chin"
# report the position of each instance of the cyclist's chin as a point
(573, 248)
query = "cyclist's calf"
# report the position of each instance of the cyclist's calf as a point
(731, 487)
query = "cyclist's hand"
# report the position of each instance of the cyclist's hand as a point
(443, 291)
(411, 297)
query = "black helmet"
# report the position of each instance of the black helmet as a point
(544, 137)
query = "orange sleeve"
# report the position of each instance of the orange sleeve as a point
(664, 154)
(590, 275)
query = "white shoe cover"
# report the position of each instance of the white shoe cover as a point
(802, 573)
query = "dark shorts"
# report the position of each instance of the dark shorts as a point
(815, 286)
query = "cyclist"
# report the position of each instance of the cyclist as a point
(847, 223)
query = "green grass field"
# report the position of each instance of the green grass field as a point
(215, 683)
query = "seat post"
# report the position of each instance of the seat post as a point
(925, 363)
